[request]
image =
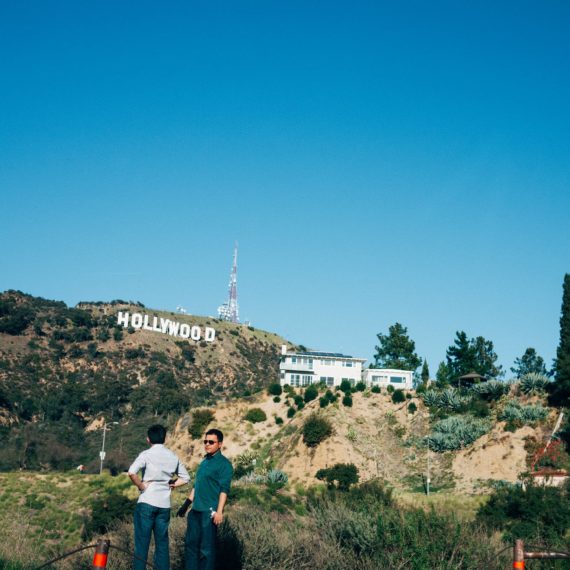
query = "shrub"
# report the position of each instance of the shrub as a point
(275, 389)
(255, 415)
(200, 420)
(360, 387)
(278, 420)
(311, 393)
(344, 474)
(376, 390)
(346, 387)
(276, 399)
(298, 400)
(347, 401)
(315, 430)
(323, 402)
(535, 513)
(289, 389)
(398, 397)
(412, 408)
(390, 389)
(291, 412)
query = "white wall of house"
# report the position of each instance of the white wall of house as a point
(383, 377)
(304, 368)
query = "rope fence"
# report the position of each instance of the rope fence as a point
(100, 557)
(102, 547)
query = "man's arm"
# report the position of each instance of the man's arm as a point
(219, 514)
(226, 475)
(138, 464)
(139, 484)
(186, 504)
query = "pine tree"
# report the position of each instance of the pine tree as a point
(396, 350)
(471, 355)
(561, 387)
(529, 362)
(425, 372)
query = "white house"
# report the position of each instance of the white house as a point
(331, 368)
(402, 379)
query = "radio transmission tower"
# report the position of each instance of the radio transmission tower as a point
(229, 310)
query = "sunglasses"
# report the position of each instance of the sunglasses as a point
(209, 442)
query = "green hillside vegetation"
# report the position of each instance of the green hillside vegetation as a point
(267, 525)
(61, 368)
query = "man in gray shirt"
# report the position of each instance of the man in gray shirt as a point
(152, 514)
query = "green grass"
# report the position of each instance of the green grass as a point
(463, 506)
(52, 507)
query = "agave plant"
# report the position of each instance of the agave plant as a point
(450, 400)
(252, 479)
(276, 476)
(533, 383)
(431, 398)
(456, 432)
(491, 390)
(514, 411)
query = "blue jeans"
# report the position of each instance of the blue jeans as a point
(149, 520)
(200, 541)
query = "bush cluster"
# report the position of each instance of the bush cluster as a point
(311, 393)
(398, 397)
(200, 420)
(255, 415)
(316, 429)
(535, 513)
(343, 474)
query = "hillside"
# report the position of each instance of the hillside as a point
(63, 371)
(375, 434)
(63, 368)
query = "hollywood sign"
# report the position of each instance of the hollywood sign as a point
(164, 326)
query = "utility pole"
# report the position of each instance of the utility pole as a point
(428, 474)
(102, 452)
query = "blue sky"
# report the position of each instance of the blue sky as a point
(377, 162)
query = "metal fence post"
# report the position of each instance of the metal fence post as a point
(518, 555)
(101, 554)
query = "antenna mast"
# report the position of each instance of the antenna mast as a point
(229, 311)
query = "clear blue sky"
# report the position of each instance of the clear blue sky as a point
(376, 161)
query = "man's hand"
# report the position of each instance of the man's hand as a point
(217, 518)
(182, 510)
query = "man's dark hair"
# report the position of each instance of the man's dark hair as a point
(217, 433)
(156, 434)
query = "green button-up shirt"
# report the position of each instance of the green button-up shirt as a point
(213, 477)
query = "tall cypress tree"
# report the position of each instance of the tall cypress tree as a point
(561, 387)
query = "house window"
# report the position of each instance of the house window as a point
(294, 359)
(347, 363)
(330, 381)
(295, 379)
(397, 380)
(306, 379)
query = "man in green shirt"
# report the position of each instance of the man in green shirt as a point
(208, 499)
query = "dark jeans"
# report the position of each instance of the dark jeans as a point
(200, 541)
(148, 520)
